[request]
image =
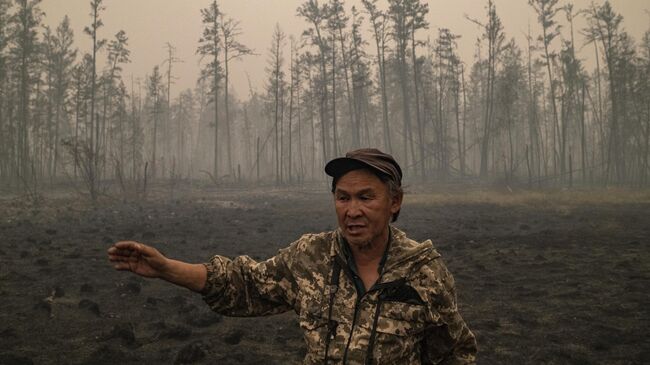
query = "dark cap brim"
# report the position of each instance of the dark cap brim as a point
(342, 165)
(382, 164)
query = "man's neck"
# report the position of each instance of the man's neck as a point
(372, 253)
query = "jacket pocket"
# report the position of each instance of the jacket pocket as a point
(314, 328)
(399, 332)
(413, 316)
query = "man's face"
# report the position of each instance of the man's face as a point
(364, 207)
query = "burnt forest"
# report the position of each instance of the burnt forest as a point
(203, 127)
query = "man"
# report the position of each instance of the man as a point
(365, 293)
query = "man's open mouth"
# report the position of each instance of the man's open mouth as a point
(354, 228)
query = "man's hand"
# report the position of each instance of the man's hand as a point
(148, 262)
(138, 258)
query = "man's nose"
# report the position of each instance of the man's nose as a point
(354, 209)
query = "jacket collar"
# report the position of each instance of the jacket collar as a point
(404, 256)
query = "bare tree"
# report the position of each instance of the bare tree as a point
(509, 82)
(24, 52)
(154, 89)
(317, 15)
(398, 13)
(170, 61)
(493, 33)
(232, 50)
(546, 11)
(337, 23)
(210, 46)
(97, 44)
(418, 12)
(361, 80)
(7, 161)
(61, 58)
(604, 27)
(118, 54)
(275, 90)
(381, 35)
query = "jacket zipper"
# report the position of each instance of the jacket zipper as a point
(354, 322)
(376, 287)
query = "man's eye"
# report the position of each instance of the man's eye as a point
(342, 198)
(365, 197)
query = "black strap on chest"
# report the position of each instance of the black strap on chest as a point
(334, 287)
(373, 332)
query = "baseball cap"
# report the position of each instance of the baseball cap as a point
(372, 158)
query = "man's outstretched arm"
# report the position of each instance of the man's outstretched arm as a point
(234, 287)
(148, 262)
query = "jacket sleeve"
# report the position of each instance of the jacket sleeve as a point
(243, 287)
(450, 341)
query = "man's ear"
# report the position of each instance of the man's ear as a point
(396, 202)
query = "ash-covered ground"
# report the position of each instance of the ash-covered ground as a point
(542, 278)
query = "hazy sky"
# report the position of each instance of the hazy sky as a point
(149, 24)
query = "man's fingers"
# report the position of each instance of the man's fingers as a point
(116, 258)
(121, 266)
(125, 244)
(130, 246)
(119, 250)
(130, 255)
(125, 256)
(116, 251)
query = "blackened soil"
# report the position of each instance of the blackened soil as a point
(539, 283)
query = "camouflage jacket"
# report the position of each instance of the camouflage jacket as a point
(408, 317)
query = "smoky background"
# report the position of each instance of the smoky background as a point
(202, 127)
(541, 94)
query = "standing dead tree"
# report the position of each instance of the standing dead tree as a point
(275, 92)
(167, 135)
(493, 34)
(94, 168)
(154, 89)
(381, 36)
(210, 46)
(316, 16)
(24, 54)
(546, 11)
(232, 50)
(604, 27)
